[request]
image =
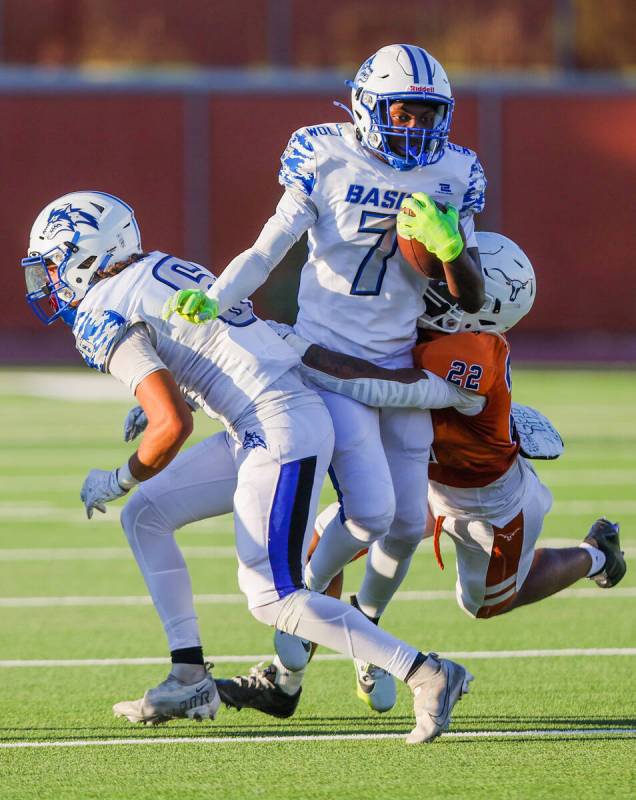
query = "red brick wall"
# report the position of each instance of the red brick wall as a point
(567, 169)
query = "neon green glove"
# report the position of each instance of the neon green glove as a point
(191, 304)
(436, 229)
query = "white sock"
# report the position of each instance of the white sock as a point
(386, 568)
(341, 627)
(597, 556)
(188, 673)
(290, 682)
(336, 548)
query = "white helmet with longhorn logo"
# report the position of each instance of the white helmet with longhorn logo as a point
(510, 286)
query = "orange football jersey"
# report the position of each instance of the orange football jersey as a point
(471, 451)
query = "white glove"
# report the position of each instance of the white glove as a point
(135, 423)
(280, 328)
(100, 487)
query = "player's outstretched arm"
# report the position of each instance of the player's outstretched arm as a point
(375, 386)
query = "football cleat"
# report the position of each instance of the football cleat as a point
(375, 686)
(435, 695)
(172, 699)
(258, 690)
(605, 535)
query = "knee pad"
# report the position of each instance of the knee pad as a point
(369, 528)
(285, 613)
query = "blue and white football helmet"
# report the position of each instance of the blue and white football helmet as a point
(401, 72)
(79, 233)
(510, 287)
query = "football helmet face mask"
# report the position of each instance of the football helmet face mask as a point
(510, 286)
(406, 73)
(72, 239)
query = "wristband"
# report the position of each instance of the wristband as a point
(125, 478)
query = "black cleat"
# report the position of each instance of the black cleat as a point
(605, 535)
(258, 690)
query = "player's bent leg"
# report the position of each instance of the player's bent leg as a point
(553, 569)
(406, 435)
(361, 476)
(437, 684)
(199, 483)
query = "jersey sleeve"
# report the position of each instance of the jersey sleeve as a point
(475, 196)
(97, 333)
(298, 164)
(472, 361)
(134, 358)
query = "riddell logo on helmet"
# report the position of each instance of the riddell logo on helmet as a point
(416, 88)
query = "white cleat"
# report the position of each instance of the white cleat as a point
(375, 686)
(172, 699)
(437, 685)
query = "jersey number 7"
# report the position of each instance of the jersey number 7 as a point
(370, 274)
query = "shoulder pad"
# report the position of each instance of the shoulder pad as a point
(537, 435)
(96, 334)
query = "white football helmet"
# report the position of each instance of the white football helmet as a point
(408, 73)
(79, 233)
(510, 286)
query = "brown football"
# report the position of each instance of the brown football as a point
(416, 254)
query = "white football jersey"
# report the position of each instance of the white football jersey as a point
(221, 367)
(357, 294)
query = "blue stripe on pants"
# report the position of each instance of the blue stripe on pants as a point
(288, 523)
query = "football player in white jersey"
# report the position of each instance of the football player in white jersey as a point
(86, 266)
(482, 490)
(344, 185)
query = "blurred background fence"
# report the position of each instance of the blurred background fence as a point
(183, 109)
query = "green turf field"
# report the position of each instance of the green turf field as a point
(535, 724)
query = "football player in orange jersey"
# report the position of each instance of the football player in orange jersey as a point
(482, 491)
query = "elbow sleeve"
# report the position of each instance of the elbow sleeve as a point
(429, 392)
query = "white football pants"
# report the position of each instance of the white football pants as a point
(273, 488)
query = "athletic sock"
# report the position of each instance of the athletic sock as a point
(387, 564)
(286, 680)
(335, 550)
(597, 556)
(187, 655)
(420, 658)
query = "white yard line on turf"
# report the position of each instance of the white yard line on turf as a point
(220, 552)
(235, 599)
(335, 737)
(45, 512)
(571, 652)
(103, 553)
